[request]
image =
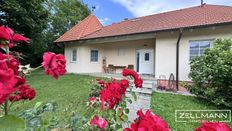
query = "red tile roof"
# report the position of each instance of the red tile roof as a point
(190, 17)
(87, 26)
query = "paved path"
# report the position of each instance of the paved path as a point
(143, 102)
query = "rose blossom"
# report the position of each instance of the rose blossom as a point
(111, 95)
(213, 126)
(137, 80)
(24, 92)
(148, 122)
(92, 99)
(9, 62)
(99, 122)
(53, 64)
(7, 34)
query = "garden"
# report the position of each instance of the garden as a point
(43, 96)
(30, 100)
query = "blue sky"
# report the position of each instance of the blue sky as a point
(111, 11)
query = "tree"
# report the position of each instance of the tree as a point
(211, 73)
(29, 18)
(64, 15)
(42, 21)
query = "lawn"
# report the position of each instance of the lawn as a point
(70, 92)
(165, 105)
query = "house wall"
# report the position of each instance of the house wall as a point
(130, 47)
(106, 50)
(83, 64)
(166, 49)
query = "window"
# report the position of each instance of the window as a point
(74, 55)
(121, 52)
(197, 47)
(94, 56)
(147, 55)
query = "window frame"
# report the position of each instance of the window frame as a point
(192, 56)
(72, 54)
(97, 57)
(147, 60)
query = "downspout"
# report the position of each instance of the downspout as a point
(177, 58)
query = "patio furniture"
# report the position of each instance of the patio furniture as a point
(131, 67)
(105, 68)
(111, 68)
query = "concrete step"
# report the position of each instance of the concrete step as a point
(141, 90)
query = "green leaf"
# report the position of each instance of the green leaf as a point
(134, 95)
(129, 100)
(118, 127)
(11, 123)
(38, 104)
(127, 111)
(119, 112)
(125, 117)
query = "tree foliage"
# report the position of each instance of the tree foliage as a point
(42, 21)
(63, 15)
(211, 73)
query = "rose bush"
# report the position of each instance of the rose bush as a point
(13, 85)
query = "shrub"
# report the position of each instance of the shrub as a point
(212, 73)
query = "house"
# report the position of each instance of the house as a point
(159, 44)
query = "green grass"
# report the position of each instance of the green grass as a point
(70, 92)
(165, 105)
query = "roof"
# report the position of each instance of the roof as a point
(87, 26)
(189, 17)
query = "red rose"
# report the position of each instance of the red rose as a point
(20, 39)
(128, 72)
(213, 126)
(124, 83)
(137, 80)
(24, 92)
(53, 64)
(92, 99)
(138, 83)
(101, 82)
(148, 122)
(112, 95)
(99, 122)
(7, 34)
(9, 62)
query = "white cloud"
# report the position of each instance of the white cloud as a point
(148, 7)
(104, 20)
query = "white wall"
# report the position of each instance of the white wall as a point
(106, 50)
(166, 49)
(83, 64)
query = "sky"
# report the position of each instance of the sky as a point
(112, 11)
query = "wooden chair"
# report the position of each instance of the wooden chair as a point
(105, 68)
(131, 67)
(111, 68)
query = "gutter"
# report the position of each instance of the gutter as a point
(177, 57)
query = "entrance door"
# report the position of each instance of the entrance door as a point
(145, 61)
